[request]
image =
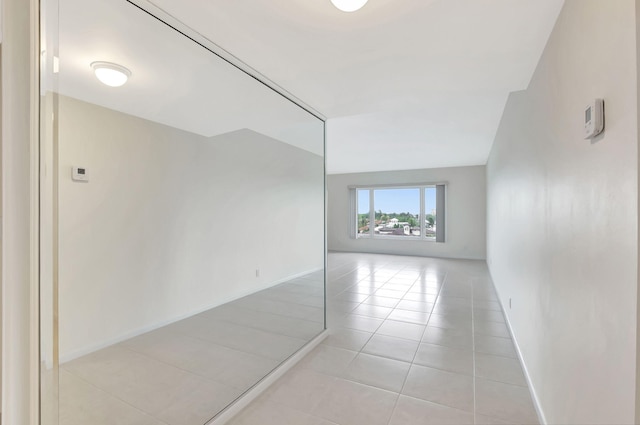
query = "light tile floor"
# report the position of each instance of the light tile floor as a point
(187, 372)
(412, 341)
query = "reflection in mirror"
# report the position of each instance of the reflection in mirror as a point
(187, 218)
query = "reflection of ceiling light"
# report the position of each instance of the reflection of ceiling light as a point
(111, 74)
(349, 5)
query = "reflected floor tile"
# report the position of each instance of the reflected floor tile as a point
(82, 403)
(391, 347)
(413, 411)
(156, 388)
(282, 308)
(274, 323)
(243, 338)
(507, 402)
(313, 301)
(450, 389)
(201, 357)
(379, 372)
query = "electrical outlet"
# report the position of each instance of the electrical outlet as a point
(257, 272)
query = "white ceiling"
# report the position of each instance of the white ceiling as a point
(405, 84)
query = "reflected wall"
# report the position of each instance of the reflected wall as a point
(190, 263)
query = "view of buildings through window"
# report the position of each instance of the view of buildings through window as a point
(403, 212)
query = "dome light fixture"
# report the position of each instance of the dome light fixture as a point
(111, 74)
(349, 5)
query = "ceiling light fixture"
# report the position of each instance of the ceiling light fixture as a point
(349, 5)
(111, 74)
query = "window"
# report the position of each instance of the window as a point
(403, 212)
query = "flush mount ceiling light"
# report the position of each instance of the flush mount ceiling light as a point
(111, 74)
(349, 5)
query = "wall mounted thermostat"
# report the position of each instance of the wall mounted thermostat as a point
(594, 119)
(79, 174)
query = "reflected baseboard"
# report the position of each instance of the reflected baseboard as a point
(237, 406)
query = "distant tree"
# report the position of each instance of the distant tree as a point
(431, 220)
(362, 221)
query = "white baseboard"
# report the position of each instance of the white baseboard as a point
(532, 389)
(237, 406)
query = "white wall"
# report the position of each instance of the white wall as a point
(172, 223)
(465, 214)
(562, 218)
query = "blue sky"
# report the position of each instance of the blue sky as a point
(397, 200)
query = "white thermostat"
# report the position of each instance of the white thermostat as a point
(79, 174)
(594, 119)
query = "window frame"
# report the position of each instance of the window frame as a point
(441, 211)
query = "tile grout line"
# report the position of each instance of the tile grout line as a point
(416, 353)
(369, 339)
(395, 405)
(351, 312)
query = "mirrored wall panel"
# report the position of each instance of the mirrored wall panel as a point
(183, 222)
